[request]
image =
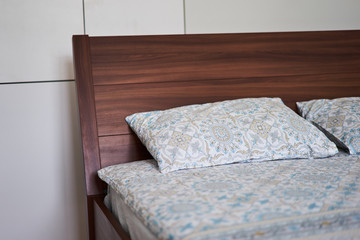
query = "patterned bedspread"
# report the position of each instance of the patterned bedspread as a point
(312, 199)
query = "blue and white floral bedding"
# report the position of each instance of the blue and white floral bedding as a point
(315, 199)
(241, 130)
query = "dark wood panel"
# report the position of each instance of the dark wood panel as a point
(85, 92)
(115, 102)
(106, 227)
(121, 148)
(223, 56)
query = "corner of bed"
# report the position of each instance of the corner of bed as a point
(120, 75)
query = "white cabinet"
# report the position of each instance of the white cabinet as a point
(42, 180)
(35, 39)
(133, 17)
(224, 16)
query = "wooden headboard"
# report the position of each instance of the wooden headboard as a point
(118, 76)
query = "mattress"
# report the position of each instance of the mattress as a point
(308, 198)
(126, 217)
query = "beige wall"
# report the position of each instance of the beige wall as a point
(41, 185)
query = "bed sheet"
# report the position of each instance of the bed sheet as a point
(308, 198)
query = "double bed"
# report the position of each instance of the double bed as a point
(312, 193)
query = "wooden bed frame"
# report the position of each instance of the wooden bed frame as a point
(118, 76)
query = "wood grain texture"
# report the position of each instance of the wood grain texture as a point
(121, 148)
(115, 102)
(85, 91)
(222, 56)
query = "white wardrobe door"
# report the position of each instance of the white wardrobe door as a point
(212, 16)
(133, 17)
(35, 39)
(41, 182)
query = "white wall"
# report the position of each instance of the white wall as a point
(39, 133)
(221, 16)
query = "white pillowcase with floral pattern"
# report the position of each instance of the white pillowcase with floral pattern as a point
(339, 118)
(243, 130)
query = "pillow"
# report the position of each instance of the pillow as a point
(339, 118)
(242, 130)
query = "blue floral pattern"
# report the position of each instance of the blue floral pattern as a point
(339, 118)
(243, 130)
(258, 200)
